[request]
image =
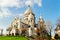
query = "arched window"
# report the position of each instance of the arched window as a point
(15, 26)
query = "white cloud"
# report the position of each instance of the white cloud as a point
(18, 15)
(33, 2)
(9, 3)
(18, 3)
(5, 13)
(21, 14)
(29, 2)
(39, 2)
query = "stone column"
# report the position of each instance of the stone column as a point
(30, 31)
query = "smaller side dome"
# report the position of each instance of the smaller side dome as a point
(41, 19)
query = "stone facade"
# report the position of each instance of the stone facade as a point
(28, 27)
(57, 30)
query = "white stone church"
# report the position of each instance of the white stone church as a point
(28, 26)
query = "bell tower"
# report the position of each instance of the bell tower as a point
(41, 23)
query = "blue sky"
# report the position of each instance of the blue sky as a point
(49, 9)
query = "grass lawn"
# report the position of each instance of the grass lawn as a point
(13, 38)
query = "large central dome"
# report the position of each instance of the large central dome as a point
(28, 11)
(27, 14)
